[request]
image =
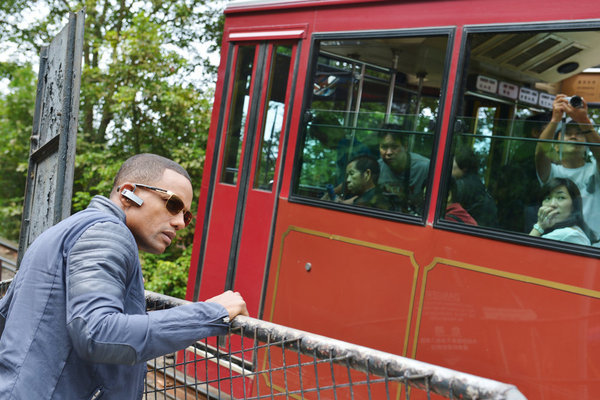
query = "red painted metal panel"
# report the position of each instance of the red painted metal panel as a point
(256, 229)
(221, 220)
(211, 147)
(327, 285)
(256, 223)
(273, 32)
(535, 336)
(219, 240)
(366, 15)
(483, 307)
(253, 248)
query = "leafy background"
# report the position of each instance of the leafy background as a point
(147, 86)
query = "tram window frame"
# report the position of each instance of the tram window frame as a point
(460, 89)
(265, 138)
(448, 33)
(236, 127)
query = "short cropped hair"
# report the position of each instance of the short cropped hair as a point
(146, 168)
(396, 133)
(467, 160)
(366, 162)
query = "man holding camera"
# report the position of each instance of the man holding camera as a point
(569, 159)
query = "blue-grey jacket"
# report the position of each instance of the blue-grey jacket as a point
(73, 324)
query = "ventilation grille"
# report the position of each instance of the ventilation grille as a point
(557, 58)
(525, 56)
(507, 45)
(533, 52)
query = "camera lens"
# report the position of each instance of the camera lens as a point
(576, 101)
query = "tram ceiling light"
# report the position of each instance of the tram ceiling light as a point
(567, 67)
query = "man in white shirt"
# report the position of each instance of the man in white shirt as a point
(569, 159)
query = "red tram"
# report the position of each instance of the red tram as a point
(304, 87)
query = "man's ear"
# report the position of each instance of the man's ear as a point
(128, 196)
(368, 175)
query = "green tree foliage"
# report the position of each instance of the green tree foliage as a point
(166, 276)
(145, 88)
(16, 119)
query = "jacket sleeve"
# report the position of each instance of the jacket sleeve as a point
(103, 279)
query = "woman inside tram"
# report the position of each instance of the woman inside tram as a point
(560, 216)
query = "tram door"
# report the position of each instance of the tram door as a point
(245, 185)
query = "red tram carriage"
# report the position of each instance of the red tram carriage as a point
(305, 86)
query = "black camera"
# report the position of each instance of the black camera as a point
(575, 101)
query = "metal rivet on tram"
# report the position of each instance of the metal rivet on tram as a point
(308, 266)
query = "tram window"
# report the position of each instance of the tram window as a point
(507, 145)
(374, 101)
(273, 118)
(237, 116)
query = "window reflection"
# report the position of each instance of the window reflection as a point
(238, 112)
(273, 120)
(370, 122)
(517, 125)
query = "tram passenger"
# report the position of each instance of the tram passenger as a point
(403, 173)
(362, 174)
(326, 128)
(514, 185)
(454, 210)
(75, 313)
(560, 216)
(572, 160)
(471, 193)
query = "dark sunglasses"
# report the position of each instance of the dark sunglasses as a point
(173, 203)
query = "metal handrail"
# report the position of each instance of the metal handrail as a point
(424, 376)
(12, 266)
(443, 381)
(9, 245)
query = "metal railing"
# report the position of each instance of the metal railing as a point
(4, 286)
(8, 265)
(262, 360)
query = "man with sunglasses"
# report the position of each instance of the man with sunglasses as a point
(75, 313)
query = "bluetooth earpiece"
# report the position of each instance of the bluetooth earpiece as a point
(132, 196)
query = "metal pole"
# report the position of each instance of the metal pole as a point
(357, 109)
(511, 128)
(421, 76)
(390, 99)
(349, 96)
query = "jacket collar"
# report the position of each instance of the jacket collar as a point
(106, 205)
